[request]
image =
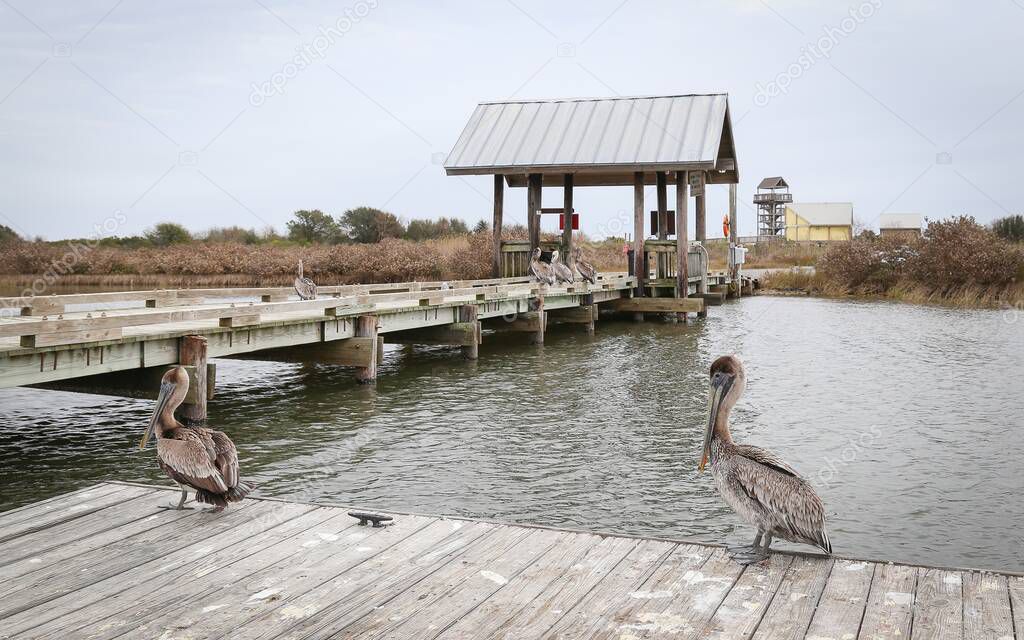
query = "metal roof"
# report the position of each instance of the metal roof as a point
(899, 221)
(609, 136)
(824, 213)
(775, 182)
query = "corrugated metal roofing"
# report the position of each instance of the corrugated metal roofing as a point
(615, 133)
(775, 182)
(824, 213)
(899, 221)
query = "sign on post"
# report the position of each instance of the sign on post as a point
(696, 183)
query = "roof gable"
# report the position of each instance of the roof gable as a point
(775, 182)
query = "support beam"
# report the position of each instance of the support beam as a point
(192, 352)
(567, 217)
(583, 315)
(135, 383)
(366, 327)
(499, 207)
(533, 204)
(467, 316)
(656, 305)
(525, 322)
(638, 232)
(455, 334)
(662, 182)
(682, 237)
(346, 352)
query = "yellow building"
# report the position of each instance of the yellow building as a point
(819, 221)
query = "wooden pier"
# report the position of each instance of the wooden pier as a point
(121, 343)
(105, 562)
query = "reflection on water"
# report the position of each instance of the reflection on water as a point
(905, 418)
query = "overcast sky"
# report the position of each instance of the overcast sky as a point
(117, 114)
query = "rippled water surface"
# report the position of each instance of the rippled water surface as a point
(907, 419)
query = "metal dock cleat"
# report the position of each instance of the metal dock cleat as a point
(378, 520)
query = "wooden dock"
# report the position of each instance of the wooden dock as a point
(121, 343)
(105, 562)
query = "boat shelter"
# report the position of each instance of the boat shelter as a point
(686, 140)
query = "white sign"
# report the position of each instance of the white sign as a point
(696, 183)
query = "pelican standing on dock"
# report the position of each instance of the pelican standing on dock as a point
(196, 457)
(584, 268)
(562, 272)
(305, 287)
(540, 269)
(762, 489)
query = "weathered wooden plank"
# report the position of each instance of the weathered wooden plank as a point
(96, 575)
(350, 590)
(440, 598)
(656, 305)
(269, 568)
(537, 616)
(489, 614)
(890, 608)
(841, 607)
(748, 600)
(61, 512)
(246, 320)
(592, 611)
(455, 334)
(70, 337)
(791, 609)
(986, 607)
(684, 599)
(1016, 587)
(32, 509)
(938, 606)
(129, 507)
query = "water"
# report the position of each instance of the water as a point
(906, 418)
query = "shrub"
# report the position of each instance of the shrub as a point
(168, 233)
(313, 225)
(431, 229)
(960, 251)
(232, 234)
(869, 265)
(369, 225)
(7, 234)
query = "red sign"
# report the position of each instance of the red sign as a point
(575, 222)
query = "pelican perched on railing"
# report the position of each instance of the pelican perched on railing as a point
(562, 272)
(584, 268)
(305, 287)
(760, 488)
(196, 457)
(540, 269)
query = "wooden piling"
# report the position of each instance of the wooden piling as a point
(192, 352)
(468, 313)
(499, 207)
(538, 336)
(366, 327)
(567, 219)
(638, 233)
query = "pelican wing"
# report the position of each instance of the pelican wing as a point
(586, 270)
(306, 288)
(186, 459)
(789, 499)
(226, 459)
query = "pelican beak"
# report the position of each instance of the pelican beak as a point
(166, 389)
(720, 385)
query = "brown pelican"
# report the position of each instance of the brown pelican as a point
(540, 269)
(760, 488)
(305, 287)
(196, 457)
(562, 273)
(584, 268)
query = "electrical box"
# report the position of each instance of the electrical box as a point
(737, 255)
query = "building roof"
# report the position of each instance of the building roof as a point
(601, 140)
(824, 213)
(776, 182)
(900, 221)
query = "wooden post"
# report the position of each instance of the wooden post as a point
(538, 337)
(638, 231)
(700, 219)
(567, 217)
(468, 313)
(682, 237)
(533, 205)
(366, 327)
(192, 351)
(733, 235)
(499, 204)
(662, 189)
